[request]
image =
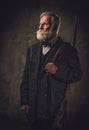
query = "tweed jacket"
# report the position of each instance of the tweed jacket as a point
(44, 93)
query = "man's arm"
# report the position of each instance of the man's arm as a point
(24, 85)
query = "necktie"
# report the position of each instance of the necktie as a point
(46, 43)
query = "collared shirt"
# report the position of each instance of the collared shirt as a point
(47, 48)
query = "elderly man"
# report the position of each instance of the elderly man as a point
(51, 64)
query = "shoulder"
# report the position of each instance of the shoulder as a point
(35, 45)
(33, 48)
(67, 47)
(64, 43)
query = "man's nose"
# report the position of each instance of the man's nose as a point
(41, 27)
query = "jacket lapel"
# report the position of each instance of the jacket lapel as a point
(51, 54)
(37, 56)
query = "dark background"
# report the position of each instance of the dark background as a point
(18, 22)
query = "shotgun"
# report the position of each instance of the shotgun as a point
(60, 114)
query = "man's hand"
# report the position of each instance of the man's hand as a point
(51, 68)
(25, 108)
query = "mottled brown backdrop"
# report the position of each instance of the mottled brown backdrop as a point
(19, 22)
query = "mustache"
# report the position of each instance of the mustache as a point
(42, 31)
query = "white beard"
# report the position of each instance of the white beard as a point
(41, 35)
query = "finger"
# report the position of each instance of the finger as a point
(46, 67)
(22, 108)
(27, 110)
(49, 64)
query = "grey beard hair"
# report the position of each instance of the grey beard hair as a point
(41, 35)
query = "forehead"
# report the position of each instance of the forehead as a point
(45, 18)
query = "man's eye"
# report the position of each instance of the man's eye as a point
(46, 23)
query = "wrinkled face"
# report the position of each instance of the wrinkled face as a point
(45, 23)
(45, 31)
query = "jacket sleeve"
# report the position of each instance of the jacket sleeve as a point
(69, 71)
(25, 80)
